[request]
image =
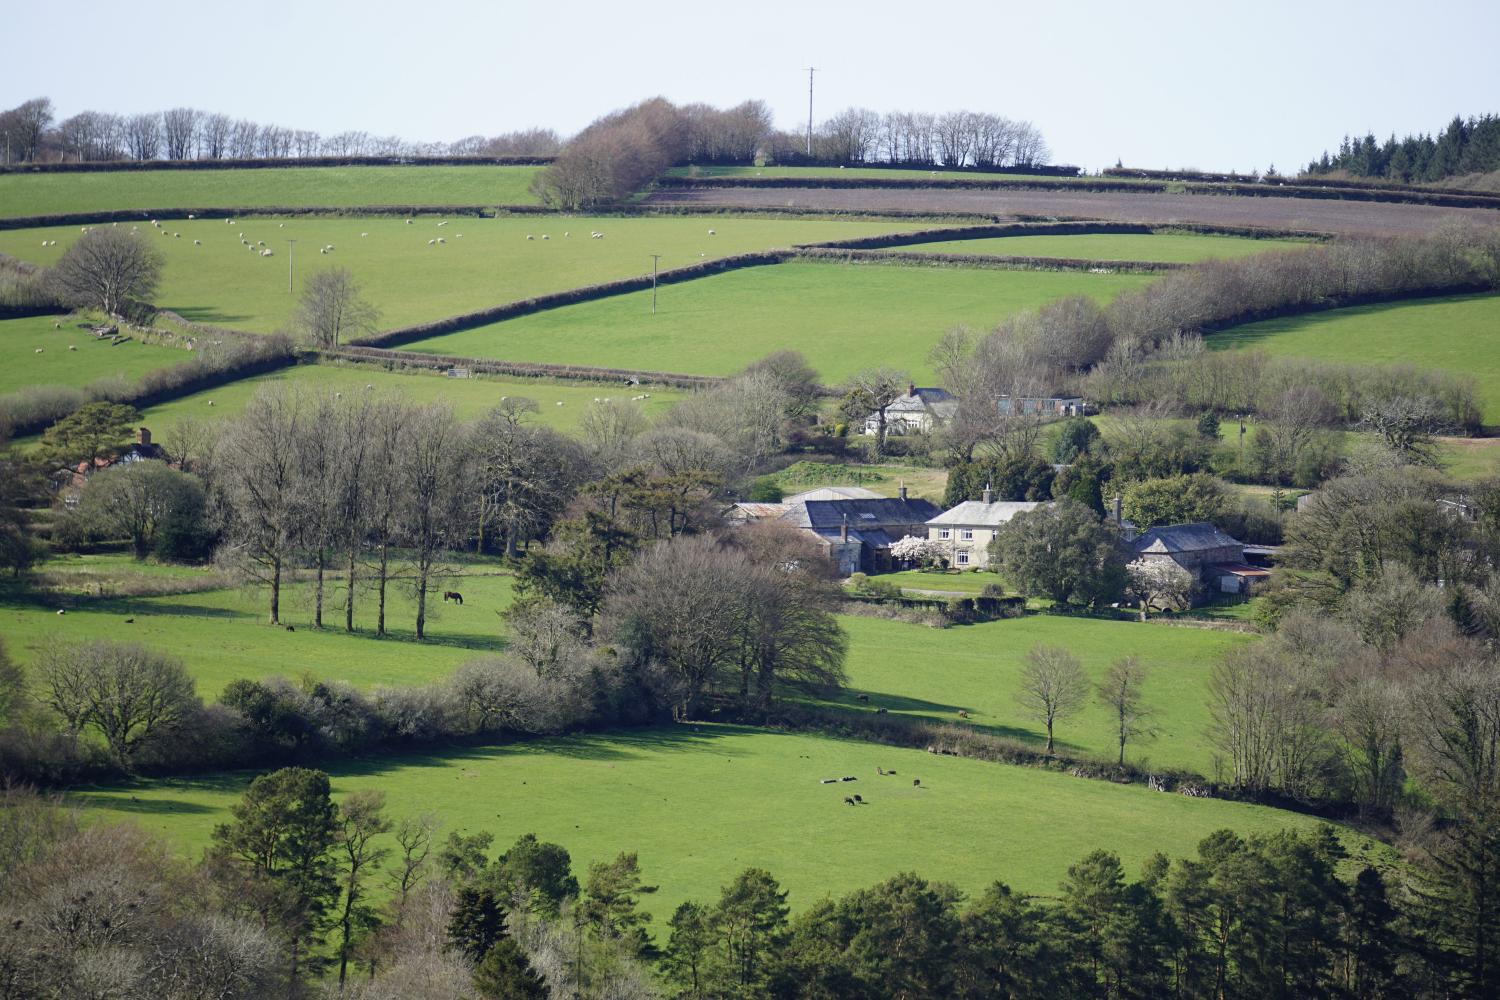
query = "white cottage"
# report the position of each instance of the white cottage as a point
(965, 532)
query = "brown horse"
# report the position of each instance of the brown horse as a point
(452, 595)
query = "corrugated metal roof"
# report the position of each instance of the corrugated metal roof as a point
(833, 493)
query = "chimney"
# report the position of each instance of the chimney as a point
(901, 491)
(142, 436)
(911, 388)
(844, 529)
(989, 494)
(1114, 510)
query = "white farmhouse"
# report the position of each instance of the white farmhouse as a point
(965, 531)
(917, 412)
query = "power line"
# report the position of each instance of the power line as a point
(654, 258)
(291, 262)
(810, 71)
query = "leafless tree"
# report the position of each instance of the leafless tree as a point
(332, 309)
(848, 137)
(143, 136)
(388, 432)
(180, 130)
(1053, 686)
(872, 390)
(609, 427)
(317, 490)
(431, 468)
(545, 634)
(260, 478)
(523, 476)
(91, 136)
(352, 436)
(1270, 719)
(1370, 718)
(214, 136)
(23, 127)
(126, 692)
(414, 838)
(361, 819)
(1120, 692)
(244, 139)
(108, 268)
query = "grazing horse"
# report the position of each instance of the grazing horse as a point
(452, 595)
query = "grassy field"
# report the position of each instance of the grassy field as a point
(275, 187)
(56, 365)
(842, 317)
(469, 398)
(1160, 247)
(958, 583)
(222, 635)
(885, 479)
(484, 262)
(1460, 334)
(914, 670)
(701, 803)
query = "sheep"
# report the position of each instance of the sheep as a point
(338, 395)
(545, 236)
(322, 250)
(281, 225)
(848, 800)
(260, 243)
(268, 252)
(363, 235)
(442, 224)
(431, 242)
(858, 799)
(566, 235)
(191, 216)
(44, 242)
(72, 347)
(442, 241)
(228, 222)
(879, 769)
(242, 235)
(330, 248)
(39, 350)
(881, 711)
(962, 714)
(530, 237)
(828, 781)
(369, 385)
(864, 697)
(559, 402)
(712, 233)
(197, 243)
(61, 611)
(848, 777)
(916, 782)
(176, 236)
(408, 222)
(210, 402)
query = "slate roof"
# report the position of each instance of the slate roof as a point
(920, 398)
(832, 493)
(875, 538)
(1197, 537)
(863, 514)
(755, 511)
(978, 514)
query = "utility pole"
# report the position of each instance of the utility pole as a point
(654, 258)
(291, 261)
(810, 71)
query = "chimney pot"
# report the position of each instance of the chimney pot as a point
(1114, 510)
(142, 436)
(989, 494)
(911, 388)
(844, 529)
(901, 491)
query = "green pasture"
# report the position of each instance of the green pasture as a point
(271, 187)
(885, 478)
(1459, 333)
(21, 340)
(700, 803)
(915, 670)
(957, 583)
(222, 635)
(1169, 248)
(470, 398)
(842, 317)
(482, 263)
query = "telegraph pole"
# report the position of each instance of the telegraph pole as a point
(291, 260)
(810, 71)
(654, 258)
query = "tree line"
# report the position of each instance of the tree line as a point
(1465, 146)
(30, 133)
(289, 894)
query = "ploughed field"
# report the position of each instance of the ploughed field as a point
(408, 275)
(36, 352)
(1459, 333)
(1169, 248)
(842, 317)
(469, 398)
(29, 194)
(700, 803)
(1150, 208)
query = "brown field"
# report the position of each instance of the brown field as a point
(1150, 208)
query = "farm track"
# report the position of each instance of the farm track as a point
(1356, 218)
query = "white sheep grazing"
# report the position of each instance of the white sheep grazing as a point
(559, 402)
(545, 236)
(431, 242)
(369, 385)
(176, 236)
(338, 395)
(566, 235)
(165, 233)
(260, 243)
(44, 242)
(39, 350)
(281, 225)
(458, 236)
(442, 224)
(530, 237)
(268, 252)
(242, 235)
(408, 222)
(197, 243)
(72, 347)
(442, 241)
(362, 235)
(191, 216)
(210, 402)
(712, 233)
(83, 229)
(228, 222)
(322, 249)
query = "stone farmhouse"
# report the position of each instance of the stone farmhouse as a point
(1210, 556)
(857, 533)
(965, 531)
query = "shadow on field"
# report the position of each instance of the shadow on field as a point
(208, 314)
(893, 703)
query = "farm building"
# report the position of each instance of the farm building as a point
(858, 533)
(918, 411)
(140, 450)
(1057, 406)
(746, 511)
(832, 493)
(966, 531)
(1210, 556)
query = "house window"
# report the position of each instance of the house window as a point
(967, 534)
(963, 559)
(945, 532)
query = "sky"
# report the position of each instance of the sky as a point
(1167, 84)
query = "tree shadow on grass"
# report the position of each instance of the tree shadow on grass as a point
(209, 314)
(120, 802)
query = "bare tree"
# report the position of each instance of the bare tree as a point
(523, 476)
(143, 136)
(353, 438)
(1053, 686)
(260, 480)
(544, 633)
(24, 127)
(431, 466)
(108, 268)
(1120, 692)
(180, 129)
(331, 308)
(214, 136)
(869, 391)
(609, 427)
(317, 487)
(414, 837)
(1370, 718)
(361, 819)
(126, 692)
(388, 430)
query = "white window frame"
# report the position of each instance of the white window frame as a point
(945, 533)
(963, 558)
(966, 534)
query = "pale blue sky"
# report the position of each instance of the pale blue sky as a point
(1211, 85)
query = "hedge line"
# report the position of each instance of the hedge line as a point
(352, 211)
(269, 163)
(1321, 182)
(572, 296)
(1001, 262)
(523, 369)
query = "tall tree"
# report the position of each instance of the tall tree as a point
(261, 482)
(431, 471)
(361, 819)
(130, 694)
(332, 309)
(1053, 686)
(108, 268)
(1120, 692)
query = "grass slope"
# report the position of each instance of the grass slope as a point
(1460, 334)
(56, 365)
(469, 398)
(223, 283)
(222, 635)
(1185, 248)
(701, 803)
(842, 317)
(912, 670)
(277, 187)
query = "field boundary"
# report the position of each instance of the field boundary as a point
(439, 362)
(272, 163)
(996, 262)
